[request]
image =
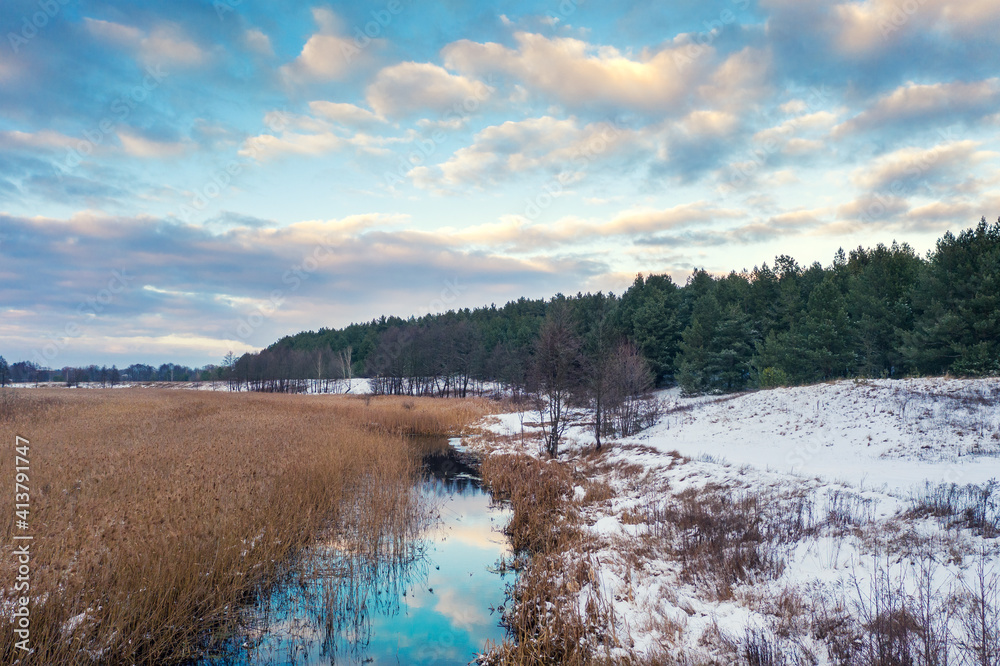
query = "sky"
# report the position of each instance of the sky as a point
(181, 179)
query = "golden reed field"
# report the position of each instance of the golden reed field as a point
(158, 514)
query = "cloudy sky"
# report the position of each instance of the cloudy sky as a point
(179, 179)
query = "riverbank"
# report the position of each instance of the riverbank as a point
(816, 524)
(156, 515)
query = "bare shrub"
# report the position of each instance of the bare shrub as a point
(761, 648)
(971, 506)
(933, 613)
(886, 619)
(536, 491)
(723, 537)
(848, 509)
(24, 404)
(548, 622)
(980, 644)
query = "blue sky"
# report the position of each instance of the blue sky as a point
(181, 179)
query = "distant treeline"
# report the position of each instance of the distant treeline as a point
(27, 372)
(877, 312)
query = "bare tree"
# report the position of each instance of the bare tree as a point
(629, 382)
(981, 620)
(599, 360)
(556, 374)
(229, 370)
(345, 364)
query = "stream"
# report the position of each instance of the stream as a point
(436, 601)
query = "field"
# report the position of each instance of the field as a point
(842, 523)
(156, 514)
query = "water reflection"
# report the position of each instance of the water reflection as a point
(426, 600)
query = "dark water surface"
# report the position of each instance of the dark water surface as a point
(431, 603)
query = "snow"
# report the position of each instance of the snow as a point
(852, 452)
(888, 434)
(71, 624)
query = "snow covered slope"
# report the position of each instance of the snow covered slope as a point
(882, 433)
(838, 483)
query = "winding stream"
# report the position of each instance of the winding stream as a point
(434, 602)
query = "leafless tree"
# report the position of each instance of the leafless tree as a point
(556, 374)
(629, 381)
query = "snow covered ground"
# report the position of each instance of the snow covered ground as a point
(837, 491)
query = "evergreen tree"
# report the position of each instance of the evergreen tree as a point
(826, 333)
(650, 318)
(956, 305)
(878, 301)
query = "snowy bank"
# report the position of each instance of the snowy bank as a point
(794, 520)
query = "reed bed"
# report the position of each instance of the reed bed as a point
(547, 622)
(400, 415)
(157, 515)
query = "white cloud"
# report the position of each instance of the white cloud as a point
(912, 101)
(328, 55)
(258, 42)
(324, 57)
(709, 123)
(348, 115)
(516, 147)
(409, 87)
(864, 27)
(43, 139)
(906, 169)
(139, 146)
(312, 136)
(521, 235)
(742, 79)
(166, 42)
(579, 74)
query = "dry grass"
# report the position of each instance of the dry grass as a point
(548, 622)
(157, 514)
(537, 491)
(720, 537)
(410, 415)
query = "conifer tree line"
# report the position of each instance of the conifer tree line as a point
(873, 312)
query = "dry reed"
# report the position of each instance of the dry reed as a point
(157, 515)
(547, 622)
